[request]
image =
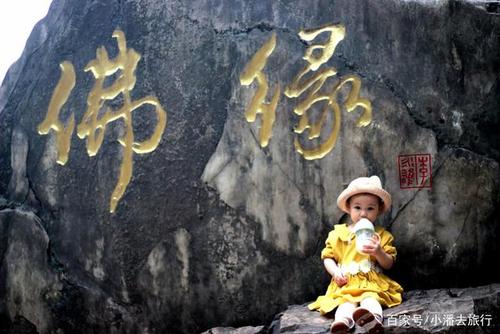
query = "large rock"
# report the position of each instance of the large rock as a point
(27, 280)
(213, 229)
(470, 310)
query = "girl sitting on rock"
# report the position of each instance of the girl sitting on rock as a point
(358, 288)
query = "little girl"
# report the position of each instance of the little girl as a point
(357, 278)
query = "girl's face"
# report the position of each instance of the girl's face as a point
(364, 206)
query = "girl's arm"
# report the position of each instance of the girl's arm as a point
(384, 260)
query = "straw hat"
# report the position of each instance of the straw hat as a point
(361, 185)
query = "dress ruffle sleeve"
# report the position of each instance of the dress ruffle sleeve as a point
(332, 246)
(386, 240)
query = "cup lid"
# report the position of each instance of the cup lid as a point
(363, 224)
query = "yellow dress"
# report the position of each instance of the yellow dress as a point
(365, 278)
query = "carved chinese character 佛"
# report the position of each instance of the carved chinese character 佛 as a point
(97, 116)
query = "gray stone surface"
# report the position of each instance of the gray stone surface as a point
(27, 281)
(214, 230)
(469, 310)
(240, 330)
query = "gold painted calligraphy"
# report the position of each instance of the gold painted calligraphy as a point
(316, 55)
(252, 72)
(97, 116)
(52, 122)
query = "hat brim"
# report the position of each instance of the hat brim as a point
(348, 193)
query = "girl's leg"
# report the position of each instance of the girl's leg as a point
(344, 313)
(369, 316)
(372, 305)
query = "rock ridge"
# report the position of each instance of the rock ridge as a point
(468, 310)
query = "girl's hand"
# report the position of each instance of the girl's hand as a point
(340, 279)
(334, 270)
(373, 247)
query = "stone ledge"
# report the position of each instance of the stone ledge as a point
(241, 330)
(469, 310)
